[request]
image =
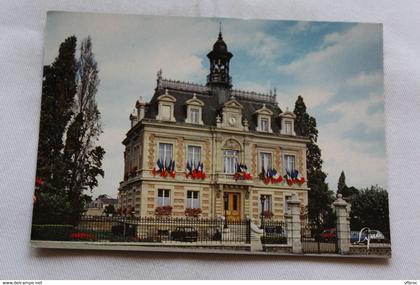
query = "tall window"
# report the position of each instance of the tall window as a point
(165, 153)
(289, 162)
(266, 161)
(163, 198)
(194, 155)
(230, 161)
(264, 124)
(193, 199)
(194, 115)
(267, 203)
(288, 127)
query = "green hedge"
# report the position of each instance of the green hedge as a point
(273, 240)
(51, 232)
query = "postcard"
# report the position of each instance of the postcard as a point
(212, 135)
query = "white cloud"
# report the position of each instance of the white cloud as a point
(342, 65)
(335, 61)
(366, 79)
(299, 27)
(362, 166)
(362, 169)
(265, 48)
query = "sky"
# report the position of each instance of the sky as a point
(336, 67)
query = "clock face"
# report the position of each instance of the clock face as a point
(232, 121)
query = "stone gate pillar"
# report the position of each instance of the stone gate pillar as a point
(294, 226)
(343, 225)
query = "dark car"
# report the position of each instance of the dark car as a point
(188, 234)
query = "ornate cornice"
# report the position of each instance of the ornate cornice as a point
(254, 96)
(163, 83)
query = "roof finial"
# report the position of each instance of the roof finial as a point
(220, 30)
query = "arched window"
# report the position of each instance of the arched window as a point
(230, 161)
(231, 151)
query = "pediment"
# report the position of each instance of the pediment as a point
(233, 103)
(195, 101)
(264, 111)
(232, 144)
(166, 97)
(288, 114)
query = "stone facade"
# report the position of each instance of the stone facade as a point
(231, 121)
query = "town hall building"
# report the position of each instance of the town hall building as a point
(212, 151)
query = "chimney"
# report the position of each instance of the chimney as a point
(133, 118)
(141, 108)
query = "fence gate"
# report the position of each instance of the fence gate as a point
(318, 240)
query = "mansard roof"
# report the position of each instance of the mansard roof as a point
(184, 91)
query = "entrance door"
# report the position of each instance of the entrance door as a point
(233, 211)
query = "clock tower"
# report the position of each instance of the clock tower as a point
(219, 57)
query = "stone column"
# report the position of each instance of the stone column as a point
(294, 226)
(288, 221)
(256, 234)
(343, 225)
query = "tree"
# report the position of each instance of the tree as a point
(82, 156)
(343, 189)
(341, 185)
(58, 91)
(110, 209)
(320, 197)
(370, 209)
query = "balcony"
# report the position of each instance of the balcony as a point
(223, 178)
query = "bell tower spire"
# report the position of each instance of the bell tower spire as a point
(219, 59)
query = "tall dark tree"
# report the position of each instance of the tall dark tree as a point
(343, 189)
(320, 197)
(82, 156)
(370, 209)
(341, 185)
(58, 91)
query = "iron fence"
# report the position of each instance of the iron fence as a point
(316, 239)
(274, 232)
(149, 230)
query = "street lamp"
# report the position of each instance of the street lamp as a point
(262, 198)
(225, 199)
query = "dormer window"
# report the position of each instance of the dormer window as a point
(288, 123)
(194, 115)
(264, 119)
(166, 107)
(288, 127)
(194, 110)
(264, 124)
(165, 112)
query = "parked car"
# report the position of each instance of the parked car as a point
(328, 234)
(188, 234)
(375, 236)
